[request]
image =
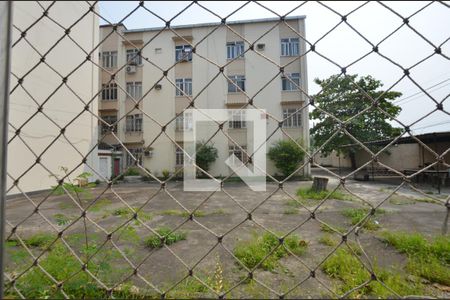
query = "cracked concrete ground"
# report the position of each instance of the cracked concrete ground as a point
(225, 213)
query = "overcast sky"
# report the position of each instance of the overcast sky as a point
(343, 45)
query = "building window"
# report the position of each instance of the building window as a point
(134, 89)
(235, 82)
(109, 91)
(290, 47)
(134, 123)
(237, 152)
(237, 119)
(179, 157)
(133, 57)
(235, 49)
(290, 82)
(109, 59)
(292, 118)
(184, 85)
(137, 153)
(183, 53)
(184, 122)
(110, 120)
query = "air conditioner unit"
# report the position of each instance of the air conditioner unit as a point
(131, 69)
(148, 153)
(261, 46)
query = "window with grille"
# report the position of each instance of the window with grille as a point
(179, 157)
(184, 85)
(134, 57)
(235, 49)
(290, 47)
(292, 118)
(110, 120)
(134, 123)
(184, 122)
(237, 120)
(290, 82)
(236, 81)
(137, 153)
(109, 91)
(236, 151)
(109, 59)
(183, 53)
(134, 89)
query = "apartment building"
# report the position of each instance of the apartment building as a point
(251, 74)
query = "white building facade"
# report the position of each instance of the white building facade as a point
(198, 76)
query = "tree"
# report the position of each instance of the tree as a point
(286, 155)
(205, 156)
(345, 97)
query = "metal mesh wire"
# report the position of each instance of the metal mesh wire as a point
(99, 241)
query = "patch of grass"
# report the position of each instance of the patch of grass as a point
(327, 240)
(99, 205)
(429, 259)
(123, 212)
(41, 240)
(154, 241)
(252, 252)
(348, 269)
(189, 288)
(308, 193)
(61, 264)
(428, 200)
(358, 214)
(61, 219)
(401, 200)
(129, 234)
(326, 228)
(290, 211)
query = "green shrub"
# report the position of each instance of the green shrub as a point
(205, 156)
(286, 155)
(132, 171)
(154, 241)
(252, 252)
(165, 173)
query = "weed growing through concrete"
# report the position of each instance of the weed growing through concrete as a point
(252, 252)
(328, 240)
(170, 237)
(344, 266)
(356, 215)
(61, 219)
(429, 259)
(326, 228)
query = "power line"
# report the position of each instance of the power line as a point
(432, 125)
(426, 89)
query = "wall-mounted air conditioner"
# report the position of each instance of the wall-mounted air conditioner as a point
(131, 69)
(260, 46)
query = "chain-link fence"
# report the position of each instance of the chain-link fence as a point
(94, 203)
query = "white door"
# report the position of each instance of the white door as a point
(104, 168)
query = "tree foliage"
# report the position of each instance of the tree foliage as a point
(344, 97)
(286, 155)
(205, 156)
